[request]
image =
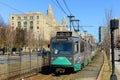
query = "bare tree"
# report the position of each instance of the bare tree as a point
(2, 38)
(107, 39)
(2, 32)
(31, 40)
(10, 36)
(1, 21)
(41, 41)
(20, 38)
(106, 43)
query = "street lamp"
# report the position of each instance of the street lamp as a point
(114, 23)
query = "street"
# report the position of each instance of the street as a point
(117, 60)
(4, 59)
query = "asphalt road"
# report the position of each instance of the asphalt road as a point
(117, 59)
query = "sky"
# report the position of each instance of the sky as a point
(91, 13)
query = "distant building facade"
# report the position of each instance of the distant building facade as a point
(117, 32)
(89, 38)
(102, 31)
(38, 23)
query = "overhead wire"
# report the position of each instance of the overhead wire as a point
(82, 29)
(73, 25)
(67, 7)
(55, 4)
(70, 13)
(11, 7)
(61, 7)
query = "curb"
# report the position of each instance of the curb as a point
(101, 69)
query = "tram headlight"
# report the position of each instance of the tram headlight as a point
(70, 58)
(52, 58)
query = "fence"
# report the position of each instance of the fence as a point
(16, 67)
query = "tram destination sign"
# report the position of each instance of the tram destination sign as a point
(61, 39)
(64, 33)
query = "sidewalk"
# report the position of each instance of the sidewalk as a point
(106, 72)
(91, 71)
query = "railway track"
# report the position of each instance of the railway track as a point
(89, 72)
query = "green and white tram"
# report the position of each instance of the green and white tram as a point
(68, 50)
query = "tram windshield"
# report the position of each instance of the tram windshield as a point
(61, 47)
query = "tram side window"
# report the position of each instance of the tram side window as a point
(82, 46)
(76, 47)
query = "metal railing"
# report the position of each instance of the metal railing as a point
(18, 67)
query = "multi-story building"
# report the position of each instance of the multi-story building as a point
(89, 37)
(102, 31)
(38, 23)
(117, 32)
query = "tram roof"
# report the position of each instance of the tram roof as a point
(67, 34)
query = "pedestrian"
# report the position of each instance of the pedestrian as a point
(44, 53)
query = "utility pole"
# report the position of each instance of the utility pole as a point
(85, 45)
(70, 18)
(85, 34)
(114, 23)
(77, 29)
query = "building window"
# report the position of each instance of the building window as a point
(31, 28)
(37, 27)
(76, 47)
(19, 24)
(25, 24)
(12, 27)
(25, 29)
(31, 25)
(82, 46)
(25, 17)
(12, 23)
(31, 17)
(12, 18)
(37, 22)
(37, 17)
(19, 18)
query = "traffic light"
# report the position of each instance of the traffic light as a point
(114, 24)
